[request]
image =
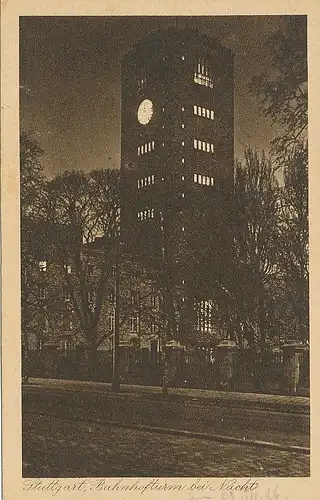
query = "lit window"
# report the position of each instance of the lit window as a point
(204, 316)
(182, 178)
(182, 195)
(183, 58)
(91, 299)
(134, 324)
(43, 265)
(162, 126)
(112, 317)
(67, 268)
(163, 108)
(203, 112)
(182, 126)
(146, 148)
(199, 179)
(212, 148)
(202, 74)
(138, 150)
(163, 144)
(203, 179)
(182, 160)
(67, 294)
(149, 146)
(153, 299)
(195, 178)
(211, 181)
(138, 183)
(182, 109)
(152, 144)
(208, 181)
(199, 144)
(195, 143)
(183, 229)
(182, 143)
(42, 293)
(183, 282)
(208, 148)
(152, 179)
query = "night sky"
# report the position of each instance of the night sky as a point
(70, 81)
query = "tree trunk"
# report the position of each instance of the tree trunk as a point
(25, 359)
(165, 375)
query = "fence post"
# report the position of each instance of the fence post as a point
(292, 351)
(226, 351)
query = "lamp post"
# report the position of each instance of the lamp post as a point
(115, 386)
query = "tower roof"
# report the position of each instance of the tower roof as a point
(171, 36)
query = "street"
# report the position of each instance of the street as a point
(84, 430)
(55, 447)
(174, 412)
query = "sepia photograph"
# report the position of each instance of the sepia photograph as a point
(164, 247)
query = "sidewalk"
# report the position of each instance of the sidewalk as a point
(259, 401)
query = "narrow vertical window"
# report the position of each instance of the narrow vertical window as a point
(194, 109)
(211, 115)
(43, 266)
(195, 177)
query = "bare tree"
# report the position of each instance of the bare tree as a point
(32, 187)
(284, 89)
(85, 210)
(293, 242)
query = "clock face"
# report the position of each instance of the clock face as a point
(145, 111)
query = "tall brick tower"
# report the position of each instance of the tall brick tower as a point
(177, 142)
